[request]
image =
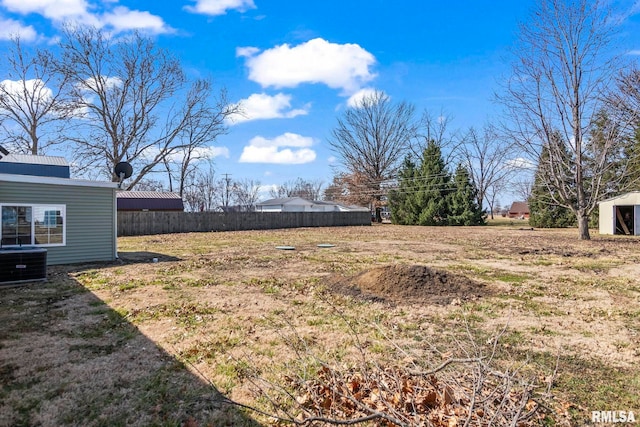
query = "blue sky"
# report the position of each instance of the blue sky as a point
(295, 65)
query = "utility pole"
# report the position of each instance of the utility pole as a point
(227, 180)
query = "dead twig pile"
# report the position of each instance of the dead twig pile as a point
(393, 396)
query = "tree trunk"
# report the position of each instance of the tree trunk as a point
(583, 226)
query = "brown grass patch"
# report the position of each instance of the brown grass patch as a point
(130, 343)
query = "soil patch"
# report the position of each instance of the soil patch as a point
(410, 284)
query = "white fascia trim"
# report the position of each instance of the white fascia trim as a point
(32, 179)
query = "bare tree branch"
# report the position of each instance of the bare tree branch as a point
(487, 158)
(563, 69)
(310, 190)
(35, 103)
(136, 104)
(372, 138)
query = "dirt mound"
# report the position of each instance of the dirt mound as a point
(410, 284)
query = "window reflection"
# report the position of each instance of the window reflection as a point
(33, 225)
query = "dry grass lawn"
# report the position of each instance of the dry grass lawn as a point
(143, 343)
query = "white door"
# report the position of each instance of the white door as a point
(636, 220)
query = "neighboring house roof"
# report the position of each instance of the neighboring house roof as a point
(325, 202)
(341, 206)
(357, 208)
(519, 208)
(26, 164)
(299, 201)
(286, 201)
(149, 200)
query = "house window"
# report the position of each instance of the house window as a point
(41, 225)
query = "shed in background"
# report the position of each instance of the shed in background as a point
(152, 201)
(620, 215)
(519, 210)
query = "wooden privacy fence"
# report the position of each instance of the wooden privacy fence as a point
(144, 223)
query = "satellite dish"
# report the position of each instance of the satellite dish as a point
(123, 170)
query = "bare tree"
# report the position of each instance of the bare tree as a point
(523, 188)
(225, 193)
(202, 191)
(351, 189)
(487, 159)
(34, 100)
(493, 192)
(136, 103)
(310, 190)
(245, 194)
(372, 138)
(198, 131)
(625, 107)
(149, 184)
(437, 128)
(563, 67)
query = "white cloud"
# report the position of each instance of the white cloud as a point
(10, 28)
(200, 153)
(246, 51)
(108, 82)
(33, 87)
(89, 88)
(287, 139)
(264, 191)
(356, 99)
(212, 151)
(289, 148)
(339, 66)
(263, 106)
(220, 7)
(52, 9)
(521, 163)
(122, 19)
(111, 16)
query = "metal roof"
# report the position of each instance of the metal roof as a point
(34, 160)
(147, 195)
(149, 201)
(35, 179)
(632, 195)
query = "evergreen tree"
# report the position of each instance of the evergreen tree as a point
(421, 197)
(463, 205)
(403, 211)
(621, 173)
(544, 209)
(433, 187)
(630, 176)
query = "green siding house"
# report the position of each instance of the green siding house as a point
(74, 220)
